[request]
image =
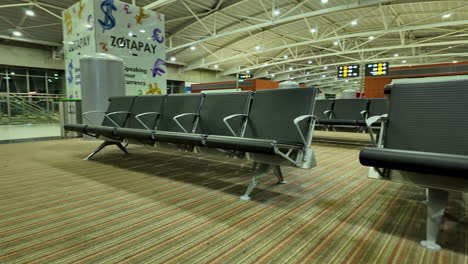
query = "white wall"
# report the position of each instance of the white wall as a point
(29, 57)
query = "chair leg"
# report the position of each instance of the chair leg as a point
(279, 174)
(103, 145)
(121, 147)
(437, 201)
(262, 170)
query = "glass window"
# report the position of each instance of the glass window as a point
(3, 84)
(16, 71)
(36, 72)
(37, 84)
(18, 84)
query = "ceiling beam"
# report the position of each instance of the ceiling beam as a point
(34, 41)
(325, 11)
(158, 4)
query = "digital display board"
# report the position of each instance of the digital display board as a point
(377, 69)
(348, 71)
(245, 76)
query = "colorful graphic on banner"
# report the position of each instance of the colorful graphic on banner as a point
(111, 26)
(68, 22)
(107, 6)
(70, 72)
(82, 6)
(157, 36)
(141, 15)
(153, 89)
(157, 70)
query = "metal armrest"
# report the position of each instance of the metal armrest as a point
(328, 113)
(225, 120)
(181, 115)
(113, 113)
(373, 119)
(90, 112)
(299, 119)
(137, 117)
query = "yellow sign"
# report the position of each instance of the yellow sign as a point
(154, 90)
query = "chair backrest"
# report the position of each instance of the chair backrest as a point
(378, 106)
(176, 104)
(322, 106)
(217, 106)
(118, 103)
(273, 112)
(349, 109)
(145, 104)
(429, 117)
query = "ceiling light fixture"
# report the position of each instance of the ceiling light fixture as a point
(324, 1)
(310, 62)
(29, 12)
(447, 15)
(290, 68)
(216, 66)
(247, 71)
(455, 61)
(193, 48)
(276, 12)
(403, 61)
(17, 33)
(396, 55)
(336, 43)
(257, 47)
(313, 30)
(354, 22)
(371, 38)
(173, 59)
(285, 56)
(325, 67)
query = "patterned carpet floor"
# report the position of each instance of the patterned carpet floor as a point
(176, 207)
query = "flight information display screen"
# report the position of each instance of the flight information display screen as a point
(377, 69)
(348, 71)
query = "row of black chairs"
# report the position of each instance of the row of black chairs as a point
(348, 112)
(274, 127)
(423, 142)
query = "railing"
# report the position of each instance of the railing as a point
(19, 108)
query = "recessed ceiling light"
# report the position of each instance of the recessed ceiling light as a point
(310, 62)
(450, 47)
(446, 15)
(257, 47)
(455, 61)
(325, 67)
(324, 1)
(193, 48)
(29, 12)
(323, 76)
(396, 55)
(354, 22)
(403, 61)
(173, 59)
(371, 37)
(216, 66)
(276, 12)
(336, 43)
(290, 68)
(285, 56)
(17, 33)
(313, 30)
(247, 71)
(12, 73)
(272, 75)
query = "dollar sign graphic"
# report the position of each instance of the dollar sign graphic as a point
(68, 21)
(70, 72)
(107, 6)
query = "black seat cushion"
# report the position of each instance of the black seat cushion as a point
(241, 144)
(415, 161)
(340, 122)
(101, 130)
(179, 138)
(75, 127)
(134, 133)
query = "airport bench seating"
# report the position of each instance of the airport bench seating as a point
(271, 127)
(423, 142)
